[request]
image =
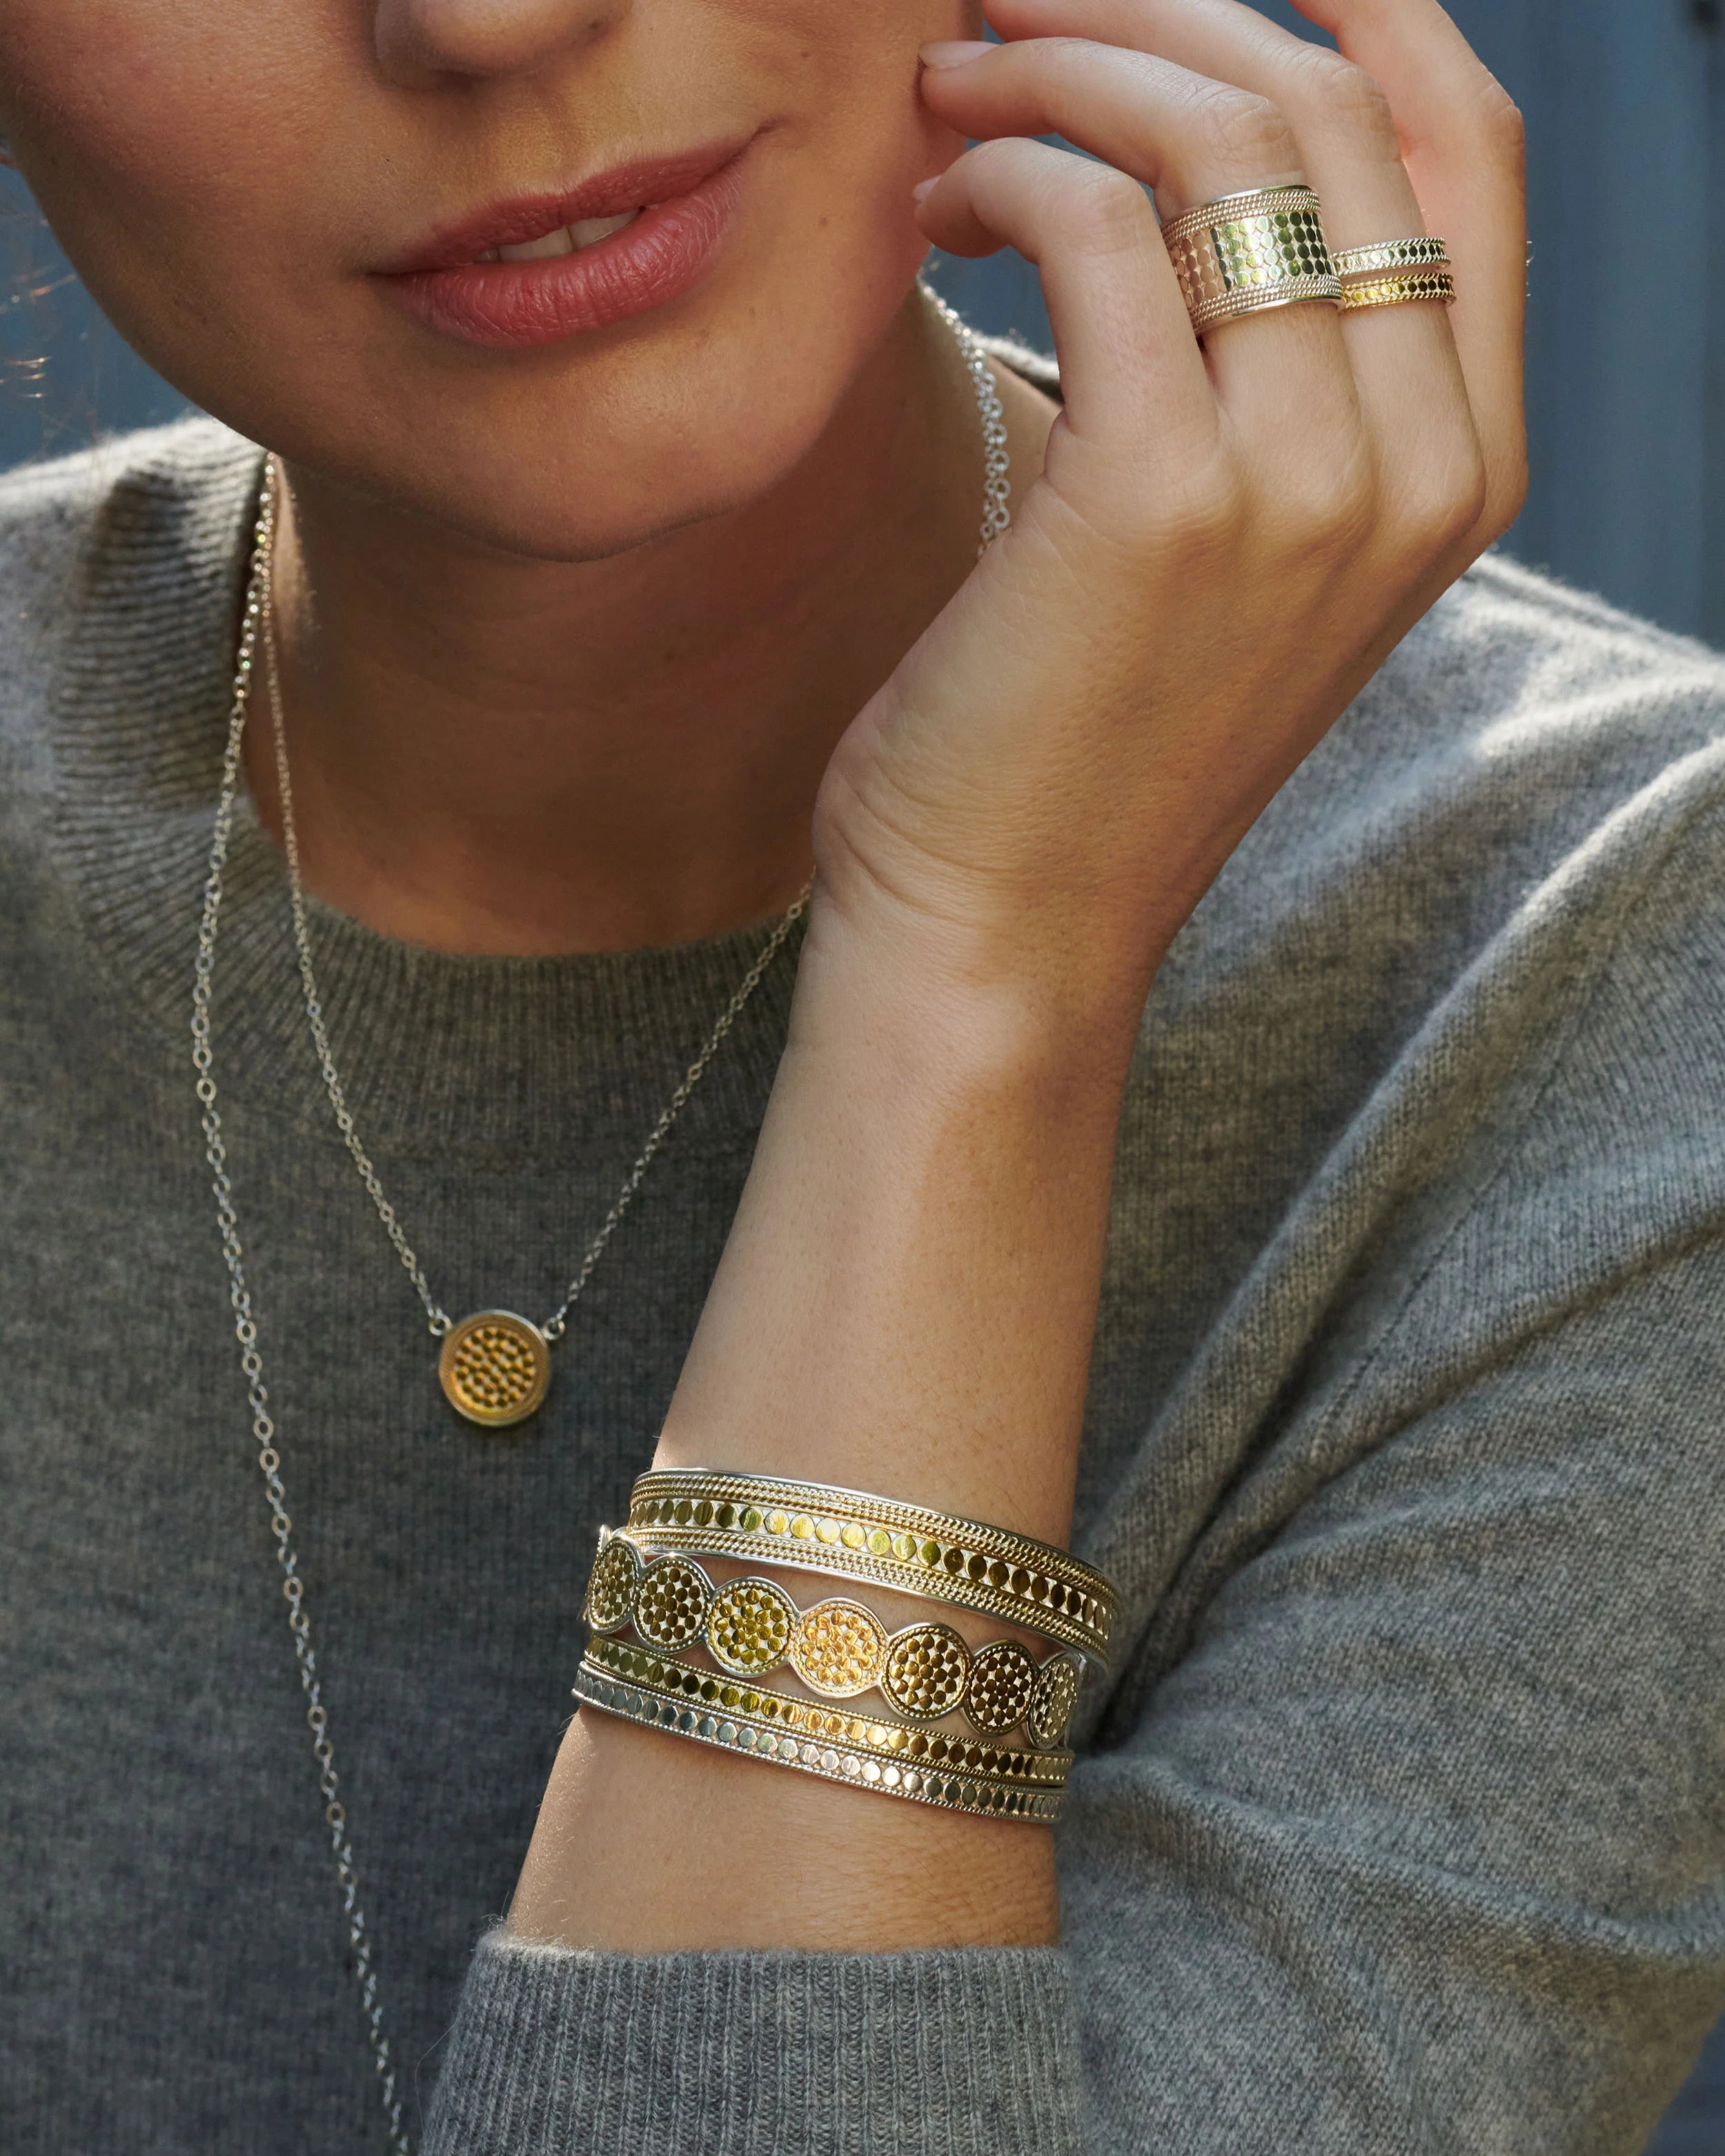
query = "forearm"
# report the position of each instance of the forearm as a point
(904, 1305)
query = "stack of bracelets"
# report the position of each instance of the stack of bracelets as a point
(699, 1649)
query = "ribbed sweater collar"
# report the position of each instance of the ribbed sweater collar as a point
(437, 1053)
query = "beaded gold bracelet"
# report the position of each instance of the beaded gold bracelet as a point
(673, 1678)
(757, 1737)
(839, 1647)
(815, 1527)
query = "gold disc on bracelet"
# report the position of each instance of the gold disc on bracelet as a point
(1052, 1698)
(927, 1669)
(839, 1648)
(1003, 1676)
(615, 1580)
(749, 1624)
(671, 1602)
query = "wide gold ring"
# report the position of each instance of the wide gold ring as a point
(1246, 253)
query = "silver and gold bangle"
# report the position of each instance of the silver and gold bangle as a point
(1247, 252)
(838, 1647)
(735, 1730)
(646, 1579)
(814, 1526)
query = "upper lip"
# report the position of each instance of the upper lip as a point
(631, 185)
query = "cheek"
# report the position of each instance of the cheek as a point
(163, 139)
(858, 134)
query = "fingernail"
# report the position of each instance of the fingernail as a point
(924, 188)
(953, 52)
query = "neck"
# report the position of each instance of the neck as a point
(500, 754)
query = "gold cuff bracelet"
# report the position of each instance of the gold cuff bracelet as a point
(757, 1737)
(883, 1739)
(814, 1527)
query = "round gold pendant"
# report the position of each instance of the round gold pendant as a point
(494, 1367)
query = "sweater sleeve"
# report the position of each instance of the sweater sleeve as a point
(1401, 1832)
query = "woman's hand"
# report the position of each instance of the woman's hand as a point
(1223, 547)
(1228, 539)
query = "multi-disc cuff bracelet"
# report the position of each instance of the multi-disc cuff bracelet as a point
(839, 1647)
(645, 1578)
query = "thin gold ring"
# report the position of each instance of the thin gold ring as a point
(1401, 291)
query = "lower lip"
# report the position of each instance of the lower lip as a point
(667, 250)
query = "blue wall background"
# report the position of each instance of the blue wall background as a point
(1625, 107)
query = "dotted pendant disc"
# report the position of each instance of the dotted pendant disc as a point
(494, 1367)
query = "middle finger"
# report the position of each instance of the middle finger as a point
(1282, 376)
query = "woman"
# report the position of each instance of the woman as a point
(1334, 1265)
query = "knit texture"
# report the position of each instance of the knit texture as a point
(1399, 1826)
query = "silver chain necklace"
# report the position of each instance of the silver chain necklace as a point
(495, 1367)
(257, 622)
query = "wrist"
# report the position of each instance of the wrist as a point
(946, 1000)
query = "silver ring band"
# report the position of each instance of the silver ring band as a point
(1386, 254)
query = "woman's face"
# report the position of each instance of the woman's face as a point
(238, 183)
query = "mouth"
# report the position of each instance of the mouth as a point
(541, 226)
(544, 268)
(565, 239)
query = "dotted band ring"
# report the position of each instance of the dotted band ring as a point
(1384, 254)
(1399, 291)
(1248, 253)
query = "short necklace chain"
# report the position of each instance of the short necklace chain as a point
(441, 1321)
(995, 519)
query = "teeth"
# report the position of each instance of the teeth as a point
(587, 229)
(531, 250)
(565, 240)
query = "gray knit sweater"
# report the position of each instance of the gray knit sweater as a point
(1398, 1830)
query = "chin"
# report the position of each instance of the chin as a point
(586, 449)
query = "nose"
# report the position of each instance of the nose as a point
(419, 41)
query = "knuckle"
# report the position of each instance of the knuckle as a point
(1111, 209)
(1436, 509)
(1206, 518)
(1503, 127)
(1344, 91)
(1324, 510)
(1240, 135)
(1507, 482)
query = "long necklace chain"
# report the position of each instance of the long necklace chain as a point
(254, 624)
